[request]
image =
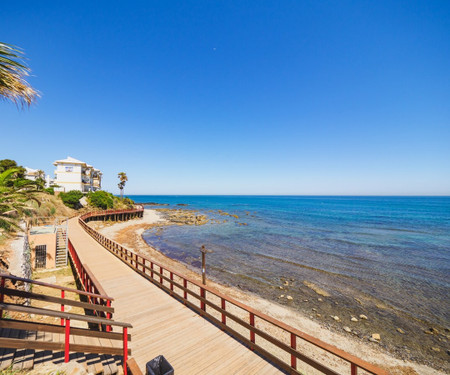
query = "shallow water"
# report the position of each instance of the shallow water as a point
(393, 249)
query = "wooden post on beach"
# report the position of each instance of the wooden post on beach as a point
(204, 251)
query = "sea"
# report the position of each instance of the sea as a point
(391, 254)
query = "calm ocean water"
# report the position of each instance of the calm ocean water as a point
(393, 249)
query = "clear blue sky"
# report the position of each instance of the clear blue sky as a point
(237, 97)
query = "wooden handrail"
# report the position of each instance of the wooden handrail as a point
(52, 299)
(54, 286)
(53, 328)
(64, 315)
(142, 264)
(65, 320)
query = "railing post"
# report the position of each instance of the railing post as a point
(224, 317)
(171, 281)
(2, 284)
(62, 307)
(252, 334)
(354, 369)
(151, 272)
(160, 275)
(294, 346)
(143, 265)
(125, 349)
(185, 291)
(202, 303)
(108, 315)
(67, 341)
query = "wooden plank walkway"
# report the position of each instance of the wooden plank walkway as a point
(162, 325)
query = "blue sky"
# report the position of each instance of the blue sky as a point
(234, 97)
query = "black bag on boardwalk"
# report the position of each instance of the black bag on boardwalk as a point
(159, 366)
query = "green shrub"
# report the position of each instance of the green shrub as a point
(72, 198)
(50, 190)
(128, 201)
(101, 199)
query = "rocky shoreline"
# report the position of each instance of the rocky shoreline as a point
(358, 318)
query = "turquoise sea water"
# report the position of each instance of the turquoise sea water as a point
(393, 249)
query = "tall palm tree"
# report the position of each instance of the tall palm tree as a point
(13, 72)
(123, 179)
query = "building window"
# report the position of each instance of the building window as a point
(41, 256)
(69, 169)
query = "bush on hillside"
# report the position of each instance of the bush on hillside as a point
(101, 199)
(72, 198)
(129, 202)
(50, 190)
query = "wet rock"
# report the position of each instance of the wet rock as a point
(347, 329)
(399, 330)
(362, 316)
(353, 319)
(376, 336)
(314, 287)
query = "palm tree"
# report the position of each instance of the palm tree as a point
(123, 179)
(13, 72)
(15, 195)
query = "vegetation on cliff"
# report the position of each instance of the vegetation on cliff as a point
(21, 198)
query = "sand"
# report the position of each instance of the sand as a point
(129, 235)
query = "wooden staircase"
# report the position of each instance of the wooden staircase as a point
(26, 359)
(25, 343)
(61, 247)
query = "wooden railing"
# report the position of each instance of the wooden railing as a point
(241, 321)
(65, 317)
(91, 285)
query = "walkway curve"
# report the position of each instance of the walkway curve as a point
(162, 325)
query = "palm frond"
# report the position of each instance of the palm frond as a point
(13, 73)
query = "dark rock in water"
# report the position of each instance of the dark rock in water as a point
(182, 204)
(154, 204)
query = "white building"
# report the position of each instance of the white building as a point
(34, 174)
(31, 174)
(73, 174)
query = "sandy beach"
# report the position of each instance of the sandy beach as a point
(129, 235)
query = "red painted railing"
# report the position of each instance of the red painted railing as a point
(65, 319)
(218, 307)
(91, 285)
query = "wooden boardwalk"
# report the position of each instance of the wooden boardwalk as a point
(162, 325)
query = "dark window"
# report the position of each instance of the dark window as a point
(41, 256)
